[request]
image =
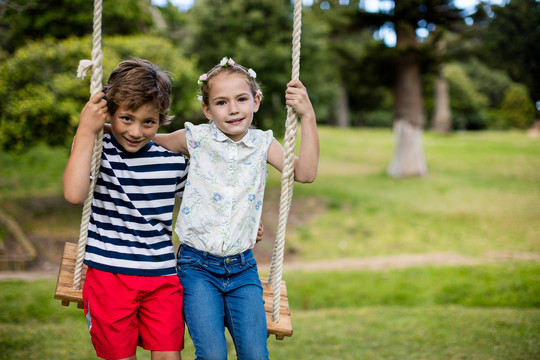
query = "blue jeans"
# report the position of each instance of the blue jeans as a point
(223, 292)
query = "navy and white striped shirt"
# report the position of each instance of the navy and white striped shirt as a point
(130, 230)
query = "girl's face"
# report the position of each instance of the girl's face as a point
(231, 105)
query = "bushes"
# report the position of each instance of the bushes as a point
(466, 102)
(482, 98)
(517, 109)
(42, 98)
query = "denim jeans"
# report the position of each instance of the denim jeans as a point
(223, 292)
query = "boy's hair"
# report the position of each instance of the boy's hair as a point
(137, 82)
(228, 69)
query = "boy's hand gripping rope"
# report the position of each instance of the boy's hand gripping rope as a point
(95, 86)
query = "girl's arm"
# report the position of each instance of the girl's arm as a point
(76, 180)
(175, 141)
(307, 162)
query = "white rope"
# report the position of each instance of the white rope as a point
(287, 176)
(95, 86)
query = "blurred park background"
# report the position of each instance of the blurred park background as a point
(420, 237)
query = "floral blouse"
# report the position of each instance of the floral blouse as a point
(222, 203)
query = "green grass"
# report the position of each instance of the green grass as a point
(376, 333)
(34, 326)
(481, 196)
(481, 199)
(401, 333)
(514, 285)
(35, 173)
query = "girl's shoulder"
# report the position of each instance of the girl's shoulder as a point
(196, 128)
(260, 138)
(262, 134)
(197, 131)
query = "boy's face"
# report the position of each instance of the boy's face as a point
(133, 129)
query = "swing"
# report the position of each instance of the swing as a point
(72, 271)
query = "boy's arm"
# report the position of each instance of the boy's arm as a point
(76, 180)
(175, 141)
(306, 164)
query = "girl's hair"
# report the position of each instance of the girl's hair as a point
(229, 68)
(136, 82)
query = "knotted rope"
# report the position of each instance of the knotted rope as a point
(287, 176)
(95, 86)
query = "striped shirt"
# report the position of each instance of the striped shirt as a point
(130, 230)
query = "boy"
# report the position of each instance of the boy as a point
(132, 295)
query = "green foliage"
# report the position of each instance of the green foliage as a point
(27, 79)
(516, 107)
(378, 118)
(22, 21)
(42, 97)
(508, 104)
(126, 17)
(174, 27)
(352, 51)
(466, 103)
(492, 83)
(366, 69)
(512, 42)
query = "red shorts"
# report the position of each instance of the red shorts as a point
(124, 311)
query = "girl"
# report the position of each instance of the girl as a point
(221, 209)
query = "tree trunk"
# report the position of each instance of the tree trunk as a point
(409, 157)
(442, 116)
(409, 120)
(343, 118)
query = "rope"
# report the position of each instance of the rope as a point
(95, 87)
(287, 176)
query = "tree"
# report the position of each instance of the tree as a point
(355, 57)
(404, 64)
(442, 114)
(409, 57)
(25, 20)
(512, 42)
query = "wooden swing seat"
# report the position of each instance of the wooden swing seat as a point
(64, 285)
(66, 294)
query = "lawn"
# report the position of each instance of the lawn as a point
(479, 201)
(481, 197)
(357, 319)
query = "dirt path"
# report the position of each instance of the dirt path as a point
(405, 261)
(372, 263)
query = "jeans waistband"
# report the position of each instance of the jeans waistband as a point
(239, 258)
